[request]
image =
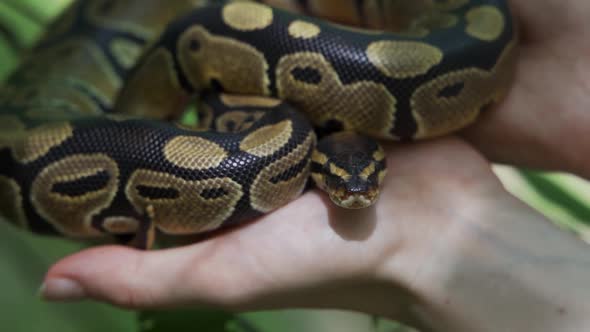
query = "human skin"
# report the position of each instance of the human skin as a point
(543, 122)
(446, 248)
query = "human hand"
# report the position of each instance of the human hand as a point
(444, 235)
(441, 210)
(546, 115)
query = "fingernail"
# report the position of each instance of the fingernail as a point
(61, 290)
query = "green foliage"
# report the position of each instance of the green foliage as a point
(191, 320)
(21, 24)
(577, 207)
(24, 259)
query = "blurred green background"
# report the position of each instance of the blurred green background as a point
(24, 258)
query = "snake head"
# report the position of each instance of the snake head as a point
(355, 193)
(350, 168)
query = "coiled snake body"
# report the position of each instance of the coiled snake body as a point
(85, 150)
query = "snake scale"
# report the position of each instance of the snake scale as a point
(88, 148)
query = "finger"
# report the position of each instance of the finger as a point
(241, 269)
(513, 133)
(119, 275)
(308, 253)
(535, 16)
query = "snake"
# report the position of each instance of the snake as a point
(285, 91)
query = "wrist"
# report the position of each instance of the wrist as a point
(500, 267)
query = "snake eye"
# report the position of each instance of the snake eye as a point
(307, 75)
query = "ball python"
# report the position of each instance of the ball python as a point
(88, 145)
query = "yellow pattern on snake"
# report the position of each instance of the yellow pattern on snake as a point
(87, 146)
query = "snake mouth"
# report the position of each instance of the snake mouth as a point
(358, 200)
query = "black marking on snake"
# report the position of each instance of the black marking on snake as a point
(157, 192)
(360, 9)
(304, 4)
(452, 90)
(329, 127)
(82, 185)
(230, 126)
(100, 35)
(105, 39)
(139, 144)
(290, 172)
(90, 94)
(317, 167)
(6, 168)
(356, 185)
(213, 193)
(307, 74)
(216, 85)
(169, 38)
(24, 175)
(194, 45)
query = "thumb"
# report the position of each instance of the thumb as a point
(136, 279)
(259, 266)
(119, 275)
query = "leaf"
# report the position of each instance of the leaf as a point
(193, 321)
(553, 192)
